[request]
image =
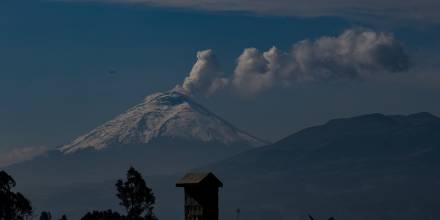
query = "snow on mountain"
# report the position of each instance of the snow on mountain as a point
(162, 115)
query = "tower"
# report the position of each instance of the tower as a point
(201, 196)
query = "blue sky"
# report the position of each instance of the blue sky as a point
(67, 66)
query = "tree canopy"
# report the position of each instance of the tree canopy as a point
(45, 216)
(14, 205)
(136, 196)
(103, 215)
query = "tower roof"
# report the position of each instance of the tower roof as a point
(199, 178)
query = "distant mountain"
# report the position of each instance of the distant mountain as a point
(170, 115)
(368, 167)
(167, 132)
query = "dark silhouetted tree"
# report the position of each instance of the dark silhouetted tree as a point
(135, 196)
(45, 216)
(13, 205)
(311, 218)
(103, 215)
(63, 217)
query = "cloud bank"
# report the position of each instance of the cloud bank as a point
(17, 155)
(355, 54)
(421, 10)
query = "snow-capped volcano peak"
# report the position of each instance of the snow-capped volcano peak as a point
(162, 115)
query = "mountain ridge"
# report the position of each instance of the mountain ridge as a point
(367, 167)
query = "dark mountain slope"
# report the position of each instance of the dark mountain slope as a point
(367, 167)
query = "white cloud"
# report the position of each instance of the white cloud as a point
(17, 155)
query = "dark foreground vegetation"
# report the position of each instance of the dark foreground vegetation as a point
(133, 193)
(311, 218)
(13, 205)
(134, 196)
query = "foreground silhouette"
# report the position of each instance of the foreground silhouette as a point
(13, 205)
(103, 215)
(311, 218)
(48, 216)
(135, 196)
(45, 216)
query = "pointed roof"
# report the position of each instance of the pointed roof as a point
(199, 178)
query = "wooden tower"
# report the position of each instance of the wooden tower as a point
(201, 196)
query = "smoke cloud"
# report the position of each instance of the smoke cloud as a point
(355, 54)
(205, 77)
